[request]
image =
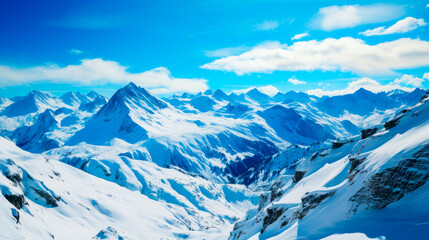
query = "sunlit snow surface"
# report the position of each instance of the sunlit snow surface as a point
(200, 166)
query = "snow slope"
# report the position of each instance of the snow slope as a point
(46, 199)
(299, 165)
(375, 184)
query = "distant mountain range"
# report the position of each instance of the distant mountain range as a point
(288, 166)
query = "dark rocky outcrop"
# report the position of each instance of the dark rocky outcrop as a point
(270, 196)
(17, 200)
(355, 162)
(310, 201)
(49, 199)
(393, 183)
(368, 132)
(391, 123)
(338, 144)
(272, 215)
(298, 176)
(15, 214)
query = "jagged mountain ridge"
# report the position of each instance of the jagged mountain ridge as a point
(187, 158)
(138, 117)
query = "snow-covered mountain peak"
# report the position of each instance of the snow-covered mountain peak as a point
(208, 92)
(92, 95)
(34, 101)
(363, 92)
(220, 95)
(257, 95)
(74, 99)
(4, 102)
(132, 95)
(123, 116)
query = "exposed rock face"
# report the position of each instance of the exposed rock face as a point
(16, 200)
(392, 123)
(310, 201)
(338, 144)
(393, 183)
(50, 200)
(368, 132)
(355, 162)
(15, 214)
(298, 176)
(272, 215)
(268, 197)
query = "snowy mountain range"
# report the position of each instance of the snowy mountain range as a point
(214, 165)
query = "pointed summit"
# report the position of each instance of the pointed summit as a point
(34, 101)
(95, 104)
(220, 95)
(362, 92)
(123, 116)
(92, 95)
(74, 99)
(134, 96)
(256, 95)
(208, 92)
(32, 138)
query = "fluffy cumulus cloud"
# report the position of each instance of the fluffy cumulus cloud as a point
(348, 16)
(410, 80)
(95, 72)
(299, 36)
(267, 25)
(295, 81)
(402, 26)
(345, 54)
(366, 83)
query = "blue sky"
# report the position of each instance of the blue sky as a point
(174, 46)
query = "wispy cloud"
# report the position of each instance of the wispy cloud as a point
(348, 16)
(345, 54)
(299, 36)
(366, 83)
(295, 81)
(224, 52)
(267, 25)
(96, 72)
(402, 26)
(76, 51)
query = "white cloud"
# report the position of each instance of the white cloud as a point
(295, 81)
(267, 25)
(402, 26)
(348, 16)
(410, 80)
(76, 51)
(426, 76)
(366, 83)
(93, 72)
(299, 36)
(224, 52)
(268, 90)
(345, 54)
